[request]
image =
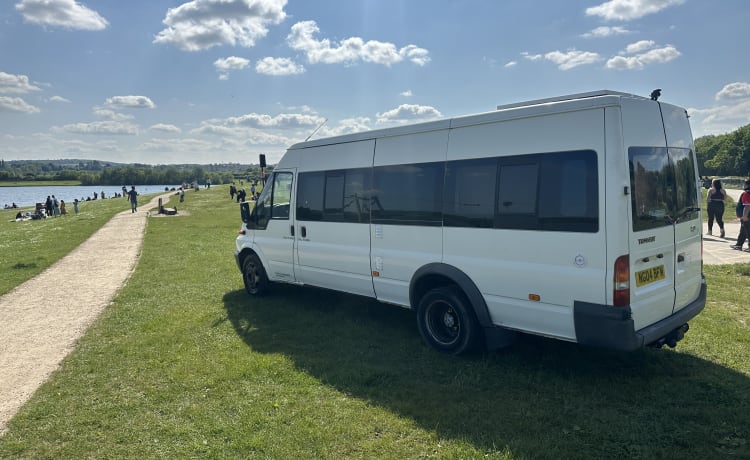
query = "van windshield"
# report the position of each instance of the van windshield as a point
(664, 186)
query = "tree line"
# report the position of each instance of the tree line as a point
(724, 154)
(96, 173)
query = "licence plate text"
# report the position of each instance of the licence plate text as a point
(649, 275)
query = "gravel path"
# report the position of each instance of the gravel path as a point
(43, 318)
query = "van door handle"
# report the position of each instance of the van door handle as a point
(680, 258)
(303, 231)
(291, 229)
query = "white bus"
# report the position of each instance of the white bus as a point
(575, 218)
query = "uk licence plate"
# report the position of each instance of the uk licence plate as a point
(649, 275)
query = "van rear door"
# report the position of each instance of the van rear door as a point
(665, 219)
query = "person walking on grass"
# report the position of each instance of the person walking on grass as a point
(133, 197)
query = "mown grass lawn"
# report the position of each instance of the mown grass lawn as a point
(185, 365)
(27, 248)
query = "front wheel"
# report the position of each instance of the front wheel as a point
(446, 321)
(254, 276)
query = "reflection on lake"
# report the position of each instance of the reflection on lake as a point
(29, 196)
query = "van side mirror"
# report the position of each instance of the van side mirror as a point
(246, 213)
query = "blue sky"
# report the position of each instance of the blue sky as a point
(215, 81)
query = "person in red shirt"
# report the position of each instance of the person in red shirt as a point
(744, 218)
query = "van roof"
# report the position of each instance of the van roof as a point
(569, 97)
(569, 102)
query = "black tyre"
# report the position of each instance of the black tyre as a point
(446, 321)
(254, 276)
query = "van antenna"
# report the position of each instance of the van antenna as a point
(316, 129)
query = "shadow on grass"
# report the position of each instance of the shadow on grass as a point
(539, 397)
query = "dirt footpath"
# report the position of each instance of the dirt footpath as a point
(41, 320)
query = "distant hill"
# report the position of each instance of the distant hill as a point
(94, 172)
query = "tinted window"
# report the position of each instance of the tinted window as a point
(663, 184)
(310, 196)
(568, 192)
(470, 193)
(357, 195)
(552, 191)
(334, 196)
(408, 194)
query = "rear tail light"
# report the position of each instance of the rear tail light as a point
(621, 293)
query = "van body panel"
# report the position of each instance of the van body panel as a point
(397, 253)
(335, 255)
(576, 130)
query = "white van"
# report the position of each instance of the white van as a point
(575, 218)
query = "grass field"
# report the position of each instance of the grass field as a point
(185, 365)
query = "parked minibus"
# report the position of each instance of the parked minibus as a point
(575, 218)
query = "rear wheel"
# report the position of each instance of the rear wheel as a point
(254, 276)
(446, 321)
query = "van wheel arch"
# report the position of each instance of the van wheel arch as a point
(435, 275)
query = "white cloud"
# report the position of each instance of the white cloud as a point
(625, 10)
(406, 93)
(280, 121)
(16, 104)
(98, 127)
(531, 57)
(510, 64)
(350, 50)
(639, 46)
(203, 24)
(58, 99)
(112, 115)
(223, 66)
(15, 84)
(165, 128)
(736, 90)
(345, 126)
(231, 63)
(639, 61)
(278, 66)
(720, 119)
(572, 58)
(407, 113)
(130, 102)
(248, 135)
(605, 31)
(63, 13)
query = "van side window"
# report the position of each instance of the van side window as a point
(663, 186)
(517, 194)
(550, 191)
(409, 194)
(568, 192)
(273, 202)
(357, 195)
(469, 199)
(334, 196)
(310, 189)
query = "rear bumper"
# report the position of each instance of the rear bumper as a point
(612, 327)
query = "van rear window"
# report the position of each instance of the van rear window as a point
(664, 186)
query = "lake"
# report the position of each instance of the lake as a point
(29, 196)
